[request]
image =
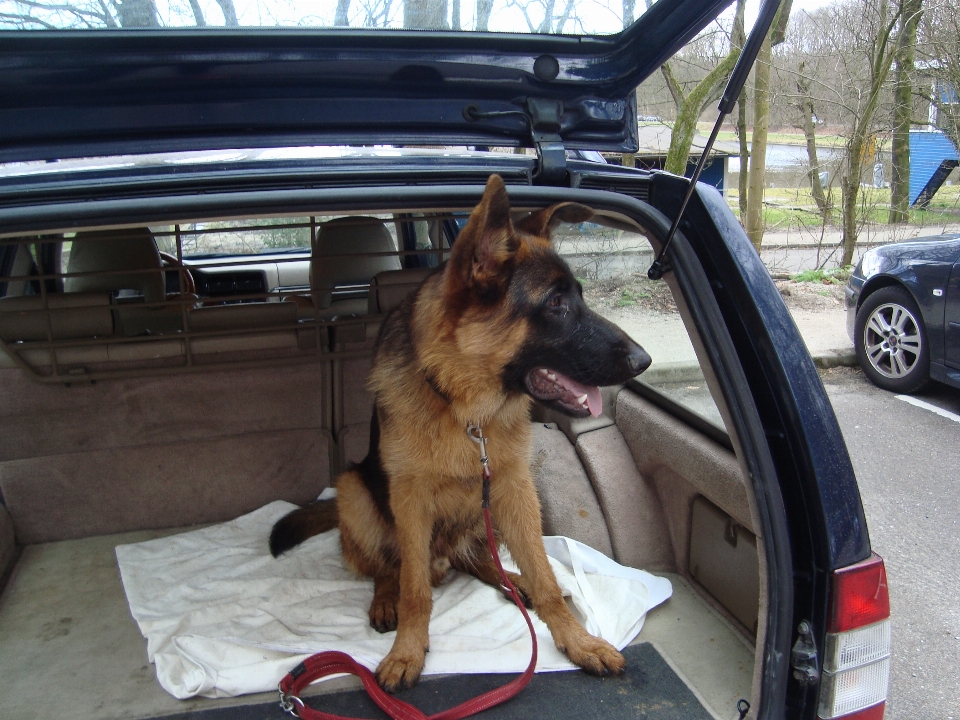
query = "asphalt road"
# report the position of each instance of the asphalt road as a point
(907, 460)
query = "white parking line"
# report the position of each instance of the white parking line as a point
(932, 408)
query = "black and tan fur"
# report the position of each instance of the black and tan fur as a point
(473, 345)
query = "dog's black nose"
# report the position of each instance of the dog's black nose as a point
(637, 359)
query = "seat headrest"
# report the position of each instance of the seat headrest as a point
(106, 251)
(344, 255)
(389, 289)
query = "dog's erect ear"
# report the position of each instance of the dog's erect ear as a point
(488, 241)
(541, 222)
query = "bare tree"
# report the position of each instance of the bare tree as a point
(809, 127)
(756, 182)
(880, 45)
(691, 103)
(91, 14)
(910, 12)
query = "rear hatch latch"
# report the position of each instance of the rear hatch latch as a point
(543, 119)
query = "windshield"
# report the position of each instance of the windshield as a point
(570, 17)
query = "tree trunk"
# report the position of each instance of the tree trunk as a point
(425, 14)
(197, 13)
(758, 148)
(229, 13)
(484, 9)
(455, 15)
(690, 107)
(902, 106)
(342, 18)
(738, 37)
(810, 133)
(849, 191)
(885, 49)
(744, 154)
(137, 13)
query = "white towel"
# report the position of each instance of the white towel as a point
(223, 618)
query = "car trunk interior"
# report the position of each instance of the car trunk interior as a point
(137, 404)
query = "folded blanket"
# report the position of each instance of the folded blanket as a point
(222, 617)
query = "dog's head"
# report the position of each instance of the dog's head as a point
(511, 271)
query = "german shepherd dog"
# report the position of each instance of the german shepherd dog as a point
(499, 325)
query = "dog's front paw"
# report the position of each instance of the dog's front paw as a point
(383, 614)
(399, 671)
(596, 656)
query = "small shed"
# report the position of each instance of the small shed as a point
(655, 142)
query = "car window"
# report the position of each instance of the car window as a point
(611, 264)
(573, 17)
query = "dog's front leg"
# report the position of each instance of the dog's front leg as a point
(516, 513)
(402, 666)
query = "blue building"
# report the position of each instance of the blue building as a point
(933, 154)
(932, 157)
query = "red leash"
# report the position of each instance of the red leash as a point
(334, 662)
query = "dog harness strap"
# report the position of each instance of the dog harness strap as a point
(336, 663)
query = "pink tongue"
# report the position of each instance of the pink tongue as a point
(594, 401)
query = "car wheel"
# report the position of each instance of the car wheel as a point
(891, 341)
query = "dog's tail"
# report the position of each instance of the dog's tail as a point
(303, 523)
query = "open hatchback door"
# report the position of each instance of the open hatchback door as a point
(81, 82)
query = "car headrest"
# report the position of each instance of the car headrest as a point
(345, 254)
(108, 251)
(389, 289)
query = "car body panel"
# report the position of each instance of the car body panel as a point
(927, 269)
(951, 320)
(816, 483)
(90, 93)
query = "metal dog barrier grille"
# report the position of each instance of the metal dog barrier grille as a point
(265, 248)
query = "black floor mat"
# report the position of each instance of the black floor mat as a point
(648, 689)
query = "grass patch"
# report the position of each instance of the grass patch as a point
(836, 276)
(779, 138)
(795, 208)
(628, 297)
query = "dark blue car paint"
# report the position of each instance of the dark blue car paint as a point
(827, 525)
(109, 92)
(920, 267)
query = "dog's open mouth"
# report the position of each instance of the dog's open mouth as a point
(553, 387)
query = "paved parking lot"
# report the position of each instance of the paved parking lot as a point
(907, 460)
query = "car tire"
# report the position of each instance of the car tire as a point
(891, 341)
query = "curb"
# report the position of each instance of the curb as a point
(680, 372)
(836, 358)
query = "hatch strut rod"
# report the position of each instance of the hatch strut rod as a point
(730, 95)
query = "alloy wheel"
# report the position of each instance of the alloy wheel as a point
(892, 340)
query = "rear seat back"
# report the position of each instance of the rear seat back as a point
(349, 251)
(353, 400)
(71, 315)
(123, 260)
(389, 289)
(105, 252)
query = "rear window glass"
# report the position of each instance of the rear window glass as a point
(611, 265)
(570, 17)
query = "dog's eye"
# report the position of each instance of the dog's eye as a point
(555, 301)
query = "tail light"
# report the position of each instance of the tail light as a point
(856, 663)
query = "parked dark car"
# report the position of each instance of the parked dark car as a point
(201, 232)
(903, 313)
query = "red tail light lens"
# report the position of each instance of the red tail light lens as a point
(860, 595)
(856, 662)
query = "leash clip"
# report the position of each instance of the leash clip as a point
(288, 703)
(475, 433)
